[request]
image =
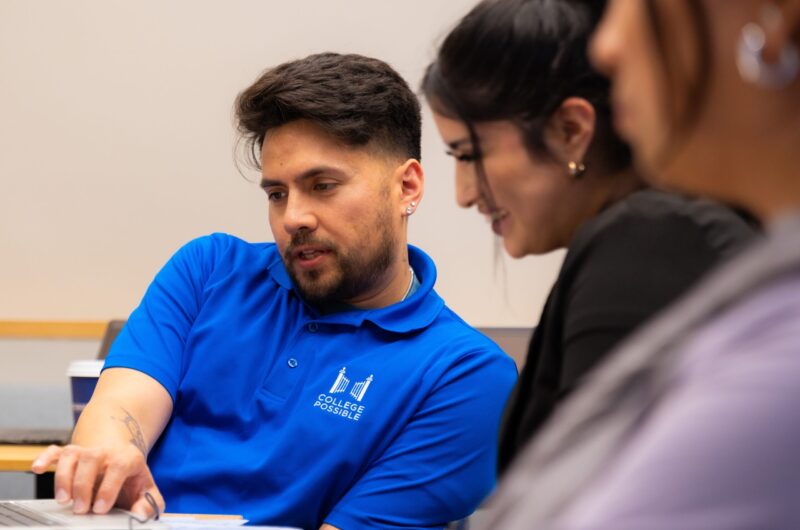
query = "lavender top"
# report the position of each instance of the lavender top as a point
(724, 450)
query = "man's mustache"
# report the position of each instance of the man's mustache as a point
(303, 238)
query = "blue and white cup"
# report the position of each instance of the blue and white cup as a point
(83, 377)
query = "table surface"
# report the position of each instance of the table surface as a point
(19, 457)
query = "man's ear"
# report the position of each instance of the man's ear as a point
(412, 186)
(570, 130)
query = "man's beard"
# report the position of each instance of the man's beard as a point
(351, 274)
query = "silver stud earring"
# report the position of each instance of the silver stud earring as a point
(409, 210)
(576, 169)
(750, 55)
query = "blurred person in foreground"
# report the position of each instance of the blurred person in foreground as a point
(528, 122)
(318, 381)
(693, 422)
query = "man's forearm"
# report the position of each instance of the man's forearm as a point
(127, 407)
(105, 422)
(106, 464)
(137, 438)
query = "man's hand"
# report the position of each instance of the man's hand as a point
(97, 478)
(106, 464)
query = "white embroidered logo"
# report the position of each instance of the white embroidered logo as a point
(346, 409)
(360, 388)
(340, 385)
(342, 381)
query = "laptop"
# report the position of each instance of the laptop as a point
(48, 514)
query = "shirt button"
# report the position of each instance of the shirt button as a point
(313, 327)
(292, 363)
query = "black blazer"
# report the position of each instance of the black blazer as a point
(621, 268)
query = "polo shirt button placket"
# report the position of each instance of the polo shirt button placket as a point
(292, 363)
(312, 327)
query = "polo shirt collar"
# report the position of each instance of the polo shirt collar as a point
(416, 312)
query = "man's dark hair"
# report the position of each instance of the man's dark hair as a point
(357, 99)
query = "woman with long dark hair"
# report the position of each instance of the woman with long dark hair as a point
(693, 423)
(528, 122)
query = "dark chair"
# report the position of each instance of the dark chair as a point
(112, 330)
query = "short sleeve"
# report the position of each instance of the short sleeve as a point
(442, 464)
(153, 338)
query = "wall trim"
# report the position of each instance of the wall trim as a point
(52, 329)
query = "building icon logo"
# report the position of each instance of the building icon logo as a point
(360, 388)
(336, 401)
(342, 382)
(340, 385)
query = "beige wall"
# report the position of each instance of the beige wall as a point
(116, 145)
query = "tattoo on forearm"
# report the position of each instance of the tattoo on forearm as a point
(137, 437)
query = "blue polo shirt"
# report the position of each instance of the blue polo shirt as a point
(380, 418)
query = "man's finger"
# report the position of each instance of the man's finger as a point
(84, 480)
(46, 459)
(115, 475)
(65, 470)
(142, 507)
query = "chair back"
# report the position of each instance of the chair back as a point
(112, 330)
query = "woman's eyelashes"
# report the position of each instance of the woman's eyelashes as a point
(462, 157)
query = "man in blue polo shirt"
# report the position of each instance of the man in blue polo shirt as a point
(318, 381)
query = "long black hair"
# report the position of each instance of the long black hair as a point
(518, 60)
